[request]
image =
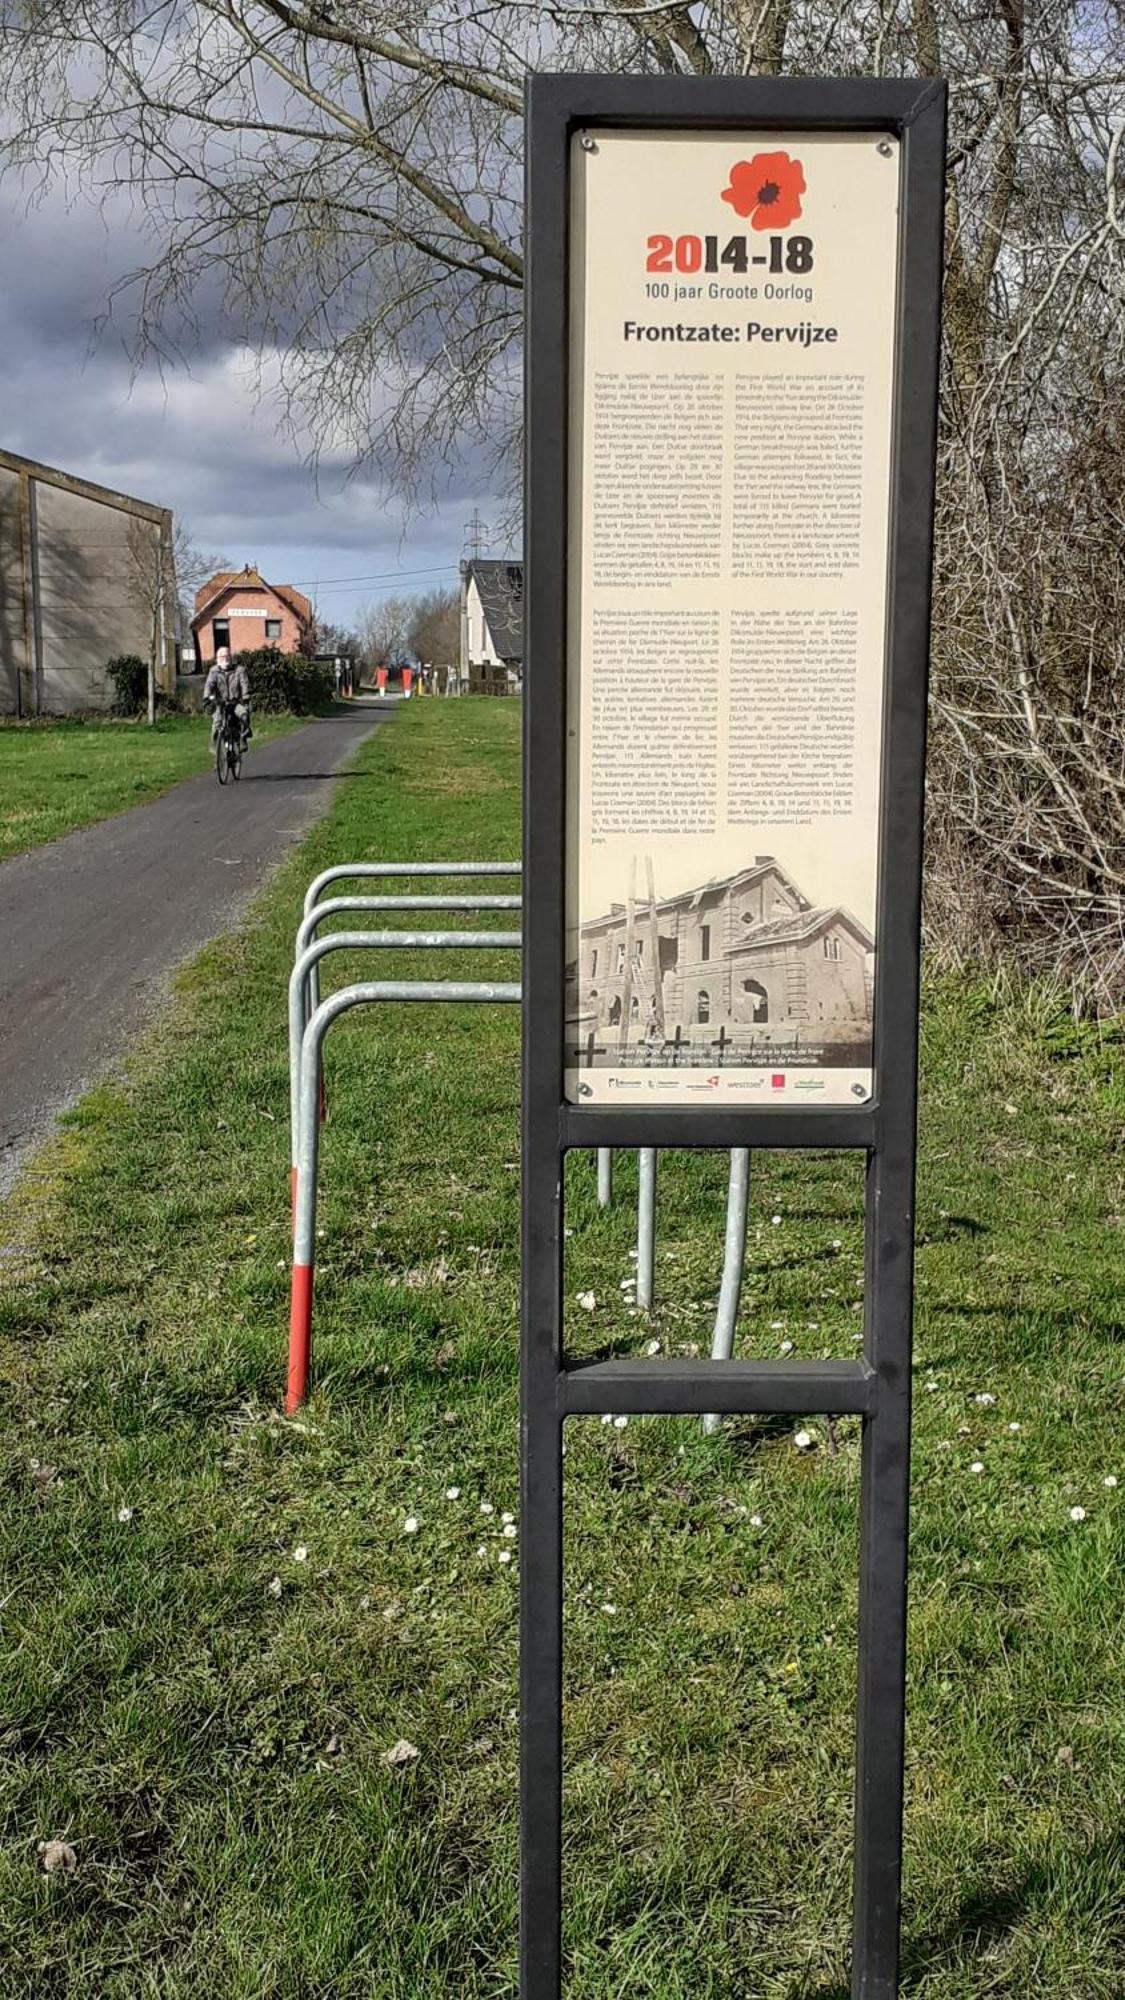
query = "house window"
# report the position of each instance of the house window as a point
(273, 629)
(758, 998)
(705, 942)
(638, 951)
(621, 956)
(635, 1009)
(831, 947)
(594, 963)
(615, 1013)
(220, 632)
(703, 1006)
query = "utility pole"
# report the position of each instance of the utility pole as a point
(474, 549)
(475, 531)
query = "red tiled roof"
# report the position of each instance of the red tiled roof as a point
(294, 599)
(250, 579)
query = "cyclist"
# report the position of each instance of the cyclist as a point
(227, 683)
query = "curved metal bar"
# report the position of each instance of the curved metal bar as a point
(312, 1042)
(299, 986)
(306, 929)
(310, 922)
(734, 1254)
(367, 871)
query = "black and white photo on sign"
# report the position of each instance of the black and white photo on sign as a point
(743, 968)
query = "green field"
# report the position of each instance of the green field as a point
(216, 1625)
(58, 776)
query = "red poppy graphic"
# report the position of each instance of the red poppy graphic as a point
(767, 190)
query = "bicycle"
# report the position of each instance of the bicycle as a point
(228, 743)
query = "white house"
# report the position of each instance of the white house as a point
(491, 627)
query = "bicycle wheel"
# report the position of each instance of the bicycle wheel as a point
(234, 760)
(221, 764)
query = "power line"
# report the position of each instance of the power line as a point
(388, 576)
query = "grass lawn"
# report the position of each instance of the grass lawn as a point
(215, 1624)
(57, 776)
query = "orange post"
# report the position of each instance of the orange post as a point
(300, 1336)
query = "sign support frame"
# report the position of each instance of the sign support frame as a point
(877, 1387)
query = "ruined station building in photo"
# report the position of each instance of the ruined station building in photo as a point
(749, 955)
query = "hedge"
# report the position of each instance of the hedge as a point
(283, 683)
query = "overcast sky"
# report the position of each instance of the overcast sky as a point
(199, 440)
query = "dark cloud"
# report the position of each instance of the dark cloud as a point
(202, 437)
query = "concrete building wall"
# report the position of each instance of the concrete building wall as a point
(91, 594)
(14, 661)
(81, 571)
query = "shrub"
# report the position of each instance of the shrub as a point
(129, 674)
(281, 682)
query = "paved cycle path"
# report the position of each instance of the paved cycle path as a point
(92, 925)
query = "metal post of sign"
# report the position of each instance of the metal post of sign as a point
(646, 1225)
(605, 1177)
(900, 124)
(372, 993)
(734, 1256)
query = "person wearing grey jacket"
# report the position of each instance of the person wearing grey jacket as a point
(227, 682)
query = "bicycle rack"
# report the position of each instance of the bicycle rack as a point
(304, 1232)
(304, 1001)
(365, 871)
(337, 905)
(384, 870)
(300, 984)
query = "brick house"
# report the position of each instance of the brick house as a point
(239, 609)
(749, 955)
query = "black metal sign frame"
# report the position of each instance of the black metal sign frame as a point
(876, 1387)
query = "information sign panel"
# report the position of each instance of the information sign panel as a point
(728, 544)
(732, 370)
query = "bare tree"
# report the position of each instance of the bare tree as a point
(152, 581)
(435, 627)
(336, 639)
(353, 177)
(384, 632)
(193, 567)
